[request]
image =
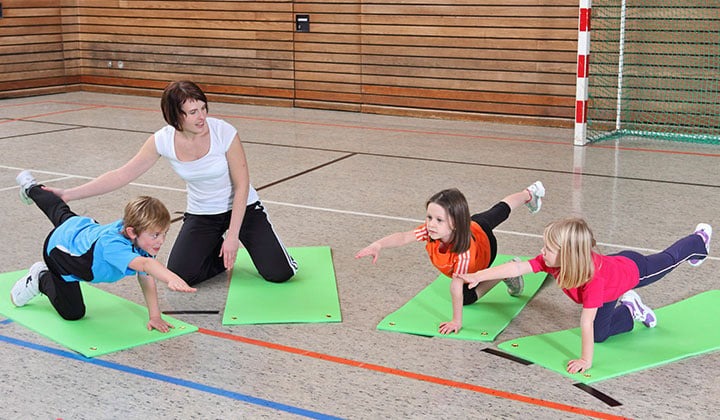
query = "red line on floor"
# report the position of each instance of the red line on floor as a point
(417, 376)
(25, 104)
(51, 113)
(433, 133)
(107, 106)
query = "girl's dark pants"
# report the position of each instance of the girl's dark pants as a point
(488, 220)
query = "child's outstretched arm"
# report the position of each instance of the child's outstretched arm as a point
(147, 284)
(502, 271)
(160, 272)
(456, 292)
(587, 334)
(390, 241)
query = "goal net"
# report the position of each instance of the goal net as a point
(654, 70)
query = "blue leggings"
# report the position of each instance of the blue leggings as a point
(614, 319)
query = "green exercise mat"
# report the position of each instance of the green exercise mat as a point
(482, 321)
(684, 329)
(111, 323)
(309, 296)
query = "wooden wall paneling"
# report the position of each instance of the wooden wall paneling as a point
(229, 48)
(328, 58)
(71, 45)
(482, 59)
(488, 60)
(31, 60)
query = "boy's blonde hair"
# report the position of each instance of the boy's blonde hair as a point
(143, 213)
(574, 241)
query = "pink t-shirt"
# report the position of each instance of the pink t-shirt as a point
(614, 275)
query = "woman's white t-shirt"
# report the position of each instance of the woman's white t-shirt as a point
(209, 187)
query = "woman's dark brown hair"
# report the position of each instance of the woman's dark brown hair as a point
(173, 98)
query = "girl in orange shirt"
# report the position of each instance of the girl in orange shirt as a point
(458, 243)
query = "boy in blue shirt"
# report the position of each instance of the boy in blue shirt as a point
(80, 249)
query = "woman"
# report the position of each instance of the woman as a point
(223, 209)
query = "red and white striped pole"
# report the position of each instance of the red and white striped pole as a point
(581, 90)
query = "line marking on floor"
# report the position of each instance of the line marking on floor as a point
(51, 113)
(325, 209)
(170, 379)
(397, 130)
(411, 375)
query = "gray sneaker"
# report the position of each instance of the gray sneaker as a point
(26, 181)
(515, 285)
(28, 286)
(537, 192)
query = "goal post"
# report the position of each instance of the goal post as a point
(651, 70)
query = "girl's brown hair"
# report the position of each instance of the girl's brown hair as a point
(173, 98)
(456, 206)
(143, 213)
(574, 241)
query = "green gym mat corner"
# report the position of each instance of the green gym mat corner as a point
(483, 320)
(686, 328)
(309, 296)
(111, 323)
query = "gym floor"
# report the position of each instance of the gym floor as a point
(344, 180)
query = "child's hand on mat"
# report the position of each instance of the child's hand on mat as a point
(450, 326)
(179, 285)
(372, 249)
(159, 324)
(579, 365)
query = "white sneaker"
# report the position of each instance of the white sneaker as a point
(26, 181)
(28, 286)
(515, 285)
(705, 232)
(639, 310)
(537, 192)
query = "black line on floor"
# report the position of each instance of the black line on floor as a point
(191, 312)
(485, 165)
(39, 133)
(488, 165)
(305, 171)
(92, 127)
(506, 356)
(612, 402)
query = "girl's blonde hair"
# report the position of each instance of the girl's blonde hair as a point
(143, 213)
(456, 206)
(574, 241)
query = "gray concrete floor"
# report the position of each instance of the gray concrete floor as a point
(343, 180)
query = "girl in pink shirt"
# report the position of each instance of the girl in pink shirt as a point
(597, 281)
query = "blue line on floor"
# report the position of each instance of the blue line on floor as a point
(5, 321)
(170, 379)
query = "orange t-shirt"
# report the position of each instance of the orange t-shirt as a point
(476, 258)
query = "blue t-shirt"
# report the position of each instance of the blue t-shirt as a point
(82, 249)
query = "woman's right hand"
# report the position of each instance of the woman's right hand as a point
(60, 192)
(372, 249)
(467, 278)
